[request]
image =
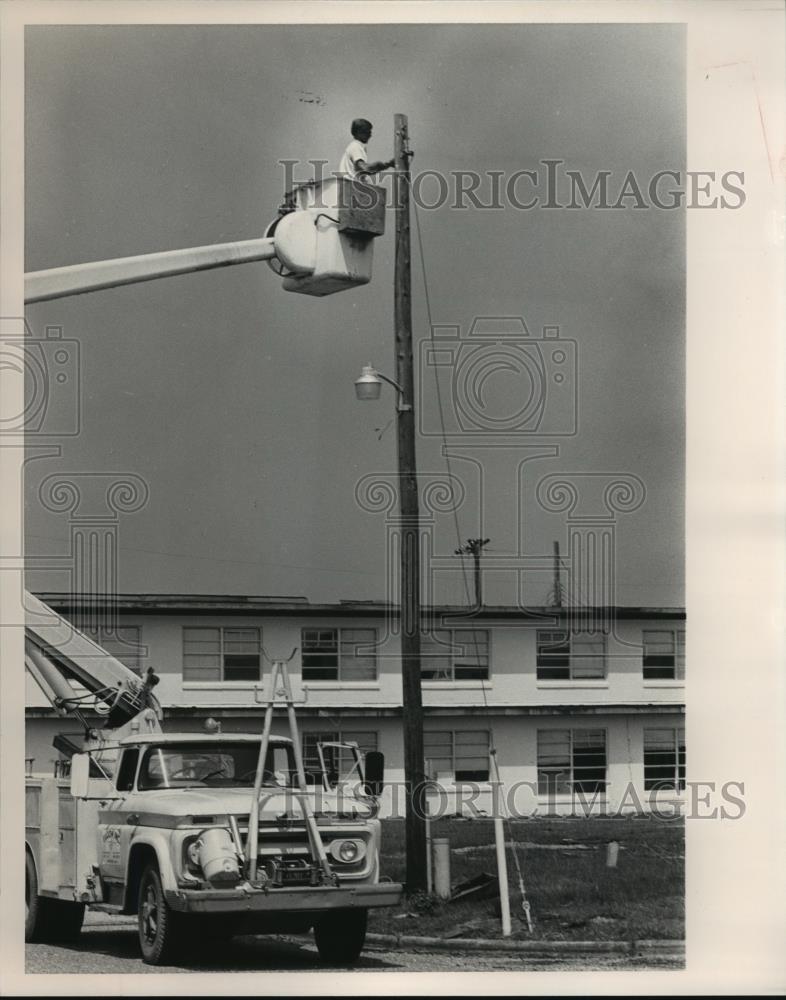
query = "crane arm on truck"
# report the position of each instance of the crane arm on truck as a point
(58, 656)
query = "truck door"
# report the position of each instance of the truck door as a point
(114, 831)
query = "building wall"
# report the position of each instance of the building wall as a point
(512, 677)
(515, 739)
(511, 706)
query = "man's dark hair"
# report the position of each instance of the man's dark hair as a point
(360, 125)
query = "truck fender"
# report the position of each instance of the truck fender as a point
(142, 851)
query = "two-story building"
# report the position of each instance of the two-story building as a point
(581, 707)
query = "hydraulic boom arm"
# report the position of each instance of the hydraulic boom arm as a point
(60, 282)
(56, 653)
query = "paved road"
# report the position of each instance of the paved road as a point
(113, 949)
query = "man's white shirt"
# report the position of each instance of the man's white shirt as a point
(353, 154)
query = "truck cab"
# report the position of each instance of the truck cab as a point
(158, 826)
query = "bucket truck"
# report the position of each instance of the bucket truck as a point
(201, 836)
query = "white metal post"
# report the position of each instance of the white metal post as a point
(442, 867)
(502, 871)
(499, 841)
(429, 862)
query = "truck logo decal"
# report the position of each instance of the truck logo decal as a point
(110, 848)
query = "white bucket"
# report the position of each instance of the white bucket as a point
(217, 856)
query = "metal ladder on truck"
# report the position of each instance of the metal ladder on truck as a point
(281, 690)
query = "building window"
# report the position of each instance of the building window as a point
(664, 654)
(332, 654)
(124, 643)
(221, 654)
(339, 761)
(571, 760)
(570, 656)
(459, 654)
(664, 759)
(458, 755)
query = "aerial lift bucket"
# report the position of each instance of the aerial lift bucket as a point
(324, 238)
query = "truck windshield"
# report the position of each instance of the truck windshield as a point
(214, 765)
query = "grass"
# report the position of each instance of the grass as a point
(572, 894)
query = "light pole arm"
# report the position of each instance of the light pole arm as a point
(401, 404)
(389, 380)
(59, 282)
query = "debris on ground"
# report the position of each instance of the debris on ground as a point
(528, 846)
(483, 886)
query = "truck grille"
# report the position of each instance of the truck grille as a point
(284, 854)
(291, 871)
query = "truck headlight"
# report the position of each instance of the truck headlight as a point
(348, 851)
(190, 856)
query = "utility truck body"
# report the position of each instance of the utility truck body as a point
(195, 833)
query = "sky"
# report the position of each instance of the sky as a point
(233, 399)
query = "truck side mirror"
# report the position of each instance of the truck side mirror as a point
(375, 772)
(80, 774)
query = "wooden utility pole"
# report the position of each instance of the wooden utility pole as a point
(414, 777)
(473, 548)
(557, 584)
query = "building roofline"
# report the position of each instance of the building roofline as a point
(185, 737)
(368, 712)
(213, 604)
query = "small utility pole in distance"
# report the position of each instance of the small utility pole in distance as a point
(472, 548)
(557, 601)
(412, 697)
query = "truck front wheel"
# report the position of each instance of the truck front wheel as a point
(160, 927)
(340, 935)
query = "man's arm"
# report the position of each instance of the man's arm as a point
(364, 169)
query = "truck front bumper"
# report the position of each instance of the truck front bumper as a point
(246, 899)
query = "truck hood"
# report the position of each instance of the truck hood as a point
(274, 804)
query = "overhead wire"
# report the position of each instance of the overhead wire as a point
(454, 510)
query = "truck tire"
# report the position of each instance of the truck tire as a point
(51, 920)
(160, 927)
(340, 936)
(34, 904)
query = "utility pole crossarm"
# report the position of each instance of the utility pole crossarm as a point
(60, 282)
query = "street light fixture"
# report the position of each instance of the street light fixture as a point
(369, 386)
